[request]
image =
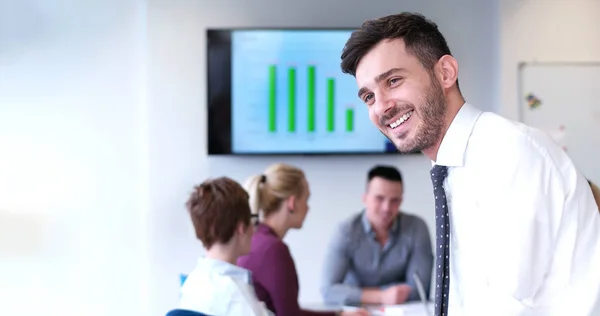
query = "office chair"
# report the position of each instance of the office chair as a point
(183, 312)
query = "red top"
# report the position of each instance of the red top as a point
(274, 274)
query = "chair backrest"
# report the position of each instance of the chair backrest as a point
(183, 312)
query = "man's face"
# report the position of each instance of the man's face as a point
(405, 102)
(382, 201)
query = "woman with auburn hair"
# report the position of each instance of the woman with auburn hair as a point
(222, 220)
(280, 195)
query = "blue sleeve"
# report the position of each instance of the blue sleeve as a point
(420, 261)
(337, 264)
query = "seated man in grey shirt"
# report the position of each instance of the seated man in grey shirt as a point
(374, 254)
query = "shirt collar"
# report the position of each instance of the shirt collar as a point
(454, 144)
(224, 268)
(265, 230)
(369, 228)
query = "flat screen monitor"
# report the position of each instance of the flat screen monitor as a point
(282, 92)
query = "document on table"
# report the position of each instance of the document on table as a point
(406, 309)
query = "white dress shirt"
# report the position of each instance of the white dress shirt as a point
(218, 288)
(525, 231)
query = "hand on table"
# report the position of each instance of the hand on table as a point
(358, 312)
(395, 295)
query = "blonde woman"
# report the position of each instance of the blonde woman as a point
(280, 195)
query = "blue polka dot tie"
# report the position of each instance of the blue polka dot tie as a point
(442, 241)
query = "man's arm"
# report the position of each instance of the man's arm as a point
(523, 203)
(420, 261)
(337, 264)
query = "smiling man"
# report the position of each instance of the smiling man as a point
(375, 254)
(517, 229)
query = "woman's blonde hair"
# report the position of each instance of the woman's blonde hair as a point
(278, 183)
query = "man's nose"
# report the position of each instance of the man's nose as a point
(386, 206)
(383, 104)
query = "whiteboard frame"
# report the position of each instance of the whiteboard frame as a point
(521, 66)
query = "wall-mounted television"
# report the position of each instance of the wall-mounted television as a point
(282, 92)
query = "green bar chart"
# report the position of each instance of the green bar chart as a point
(272, 98)
(311, 99)
(291, 79)
(330, 105)
(349, 119)
(301, 87)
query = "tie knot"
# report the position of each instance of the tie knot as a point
(439, 173)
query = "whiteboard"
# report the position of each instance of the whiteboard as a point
(563, 99)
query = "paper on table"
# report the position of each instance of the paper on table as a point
(376, 311)
(396, 310)
(406, 309)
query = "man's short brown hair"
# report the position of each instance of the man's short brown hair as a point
(216, 207)
(421, 36)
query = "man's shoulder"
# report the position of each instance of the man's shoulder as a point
(494, 126)
(496, 135)
(351, 224)
(513, 147)
(412, 222)
(348, 231)
(411, 218)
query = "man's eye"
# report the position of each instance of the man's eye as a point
(394, 80)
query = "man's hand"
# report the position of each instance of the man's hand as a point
(395, 295)
(358, 312)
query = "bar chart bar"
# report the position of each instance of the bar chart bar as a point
(330, 104)
(291, 99)
(272, 98)
(311, 99)
(349, 119)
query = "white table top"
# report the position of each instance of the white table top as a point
(406, 309)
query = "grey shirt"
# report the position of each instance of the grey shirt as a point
(356, 260)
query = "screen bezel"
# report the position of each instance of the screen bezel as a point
(218, 95)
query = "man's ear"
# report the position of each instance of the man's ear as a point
(447, 67)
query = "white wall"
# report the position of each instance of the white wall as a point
(176, 106)
(548, 31)
(73, 145)
(544, 31)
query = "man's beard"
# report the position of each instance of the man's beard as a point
(432, 114)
